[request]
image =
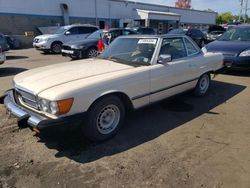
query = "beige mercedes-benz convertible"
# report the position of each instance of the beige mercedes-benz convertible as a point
(134, 71)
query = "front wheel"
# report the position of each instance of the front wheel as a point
(104, 119)
(92, 53)
(56, 47)
(202, 85)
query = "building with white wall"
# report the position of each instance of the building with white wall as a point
(18, 16)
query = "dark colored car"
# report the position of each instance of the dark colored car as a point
(235, 46)
(87, 48)
(144, 30)
(3, 43)
(197, 35)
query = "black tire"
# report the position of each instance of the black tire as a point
(74, 57)
(46, 51)
(202, 85)
(90, 53)
(56, 47)
(94, 126)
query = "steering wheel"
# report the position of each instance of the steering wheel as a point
(139, 59)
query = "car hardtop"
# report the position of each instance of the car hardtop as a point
(155, 36)
(242, 26)
(78, 25)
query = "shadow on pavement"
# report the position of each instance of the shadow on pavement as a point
(10, 71)
(10, 57)
(244, 73)
(143, 125)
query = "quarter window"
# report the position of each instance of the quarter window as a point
(174, 47)
(191, 49)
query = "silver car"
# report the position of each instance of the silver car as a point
(2, 56)
(70, 33)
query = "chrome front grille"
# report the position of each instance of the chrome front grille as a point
(26, 98)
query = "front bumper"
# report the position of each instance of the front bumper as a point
(41, 46)
(72, 53)
(237, 62)
(35, 120)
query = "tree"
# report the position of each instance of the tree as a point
(225, 17)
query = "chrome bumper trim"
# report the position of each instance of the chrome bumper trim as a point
(19, 112)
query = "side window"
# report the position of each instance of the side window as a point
(86, 30)
(191, 49)
(114, 34)
(126, 32)
(73, 31)
(174, 47)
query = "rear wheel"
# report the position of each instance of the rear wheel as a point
(202, 85)
(56, 47)
(104, 119)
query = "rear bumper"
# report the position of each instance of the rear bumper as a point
(33, 119)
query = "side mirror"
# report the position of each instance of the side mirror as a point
(67, 33)
(164, 58)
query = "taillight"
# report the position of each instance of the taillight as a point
(1, 50)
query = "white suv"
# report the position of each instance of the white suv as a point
(53, 42)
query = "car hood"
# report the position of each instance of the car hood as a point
(40, 79)
(227, 47)
(81, 42)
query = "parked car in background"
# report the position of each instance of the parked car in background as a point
(54, 42)
(213, 32)
(144, 30)
(87, 48)
(134, 71)
(235, 46)
(212, 36)
(3, 43)
(2, 56)
(12, 42)
(197, 35)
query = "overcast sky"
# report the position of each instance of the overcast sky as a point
(216, 5)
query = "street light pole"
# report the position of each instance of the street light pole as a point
(96, 12)
(246, 9)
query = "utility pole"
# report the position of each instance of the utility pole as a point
(241, 9)
(246, 10)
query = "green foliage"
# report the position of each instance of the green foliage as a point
(225, 17)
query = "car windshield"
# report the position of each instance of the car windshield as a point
(236, 34)
(132, 51)
(60, 30)
(96, 35)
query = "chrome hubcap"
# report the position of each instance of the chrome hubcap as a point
(204, 84)
(108, 119)
(92, 53)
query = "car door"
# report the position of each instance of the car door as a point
(173, 77)
(197, 62)
(85, 31)
(72, 35)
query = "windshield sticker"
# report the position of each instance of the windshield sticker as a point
(147, 41)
